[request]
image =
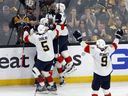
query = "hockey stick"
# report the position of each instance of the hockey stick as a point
(23, 60)
(58, 53)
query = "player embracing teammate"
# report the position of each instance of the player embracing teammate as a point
(51, 41)
(57, 21)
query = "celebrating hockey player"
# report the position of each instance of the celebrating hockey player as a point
(103, 66)
(43, 40)
(57, 22)
(61, 43)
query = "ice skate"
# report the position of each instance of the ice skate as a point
(62, 82)
(70, 70)
(52, 89)
(41, 89)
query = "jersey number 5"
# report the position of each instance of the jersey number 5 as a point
(104, 61)
(45, 46)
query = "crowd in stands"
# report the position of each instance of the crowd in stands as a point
(98, 18)
(94, 18)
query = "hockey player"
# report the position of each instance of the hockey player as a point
(57, 22)
(61, 43)
(103, 66)
(43, 41)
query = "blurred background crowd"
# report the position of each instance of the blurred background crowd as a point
(94, 18)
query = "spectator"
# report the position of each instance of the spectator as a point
(44, 6)
(79, 5)
(122, 13)
(119, 24)
(5, 18)
(101, 13)
(18, 22)
(102, 31)
(32, 18)
(83, 30)
(90, 21)
(111, 15)
(73, 23)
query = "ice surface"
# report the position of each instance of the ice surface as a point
(82, 89)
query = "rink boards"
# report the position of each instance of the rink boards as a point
(12, 72)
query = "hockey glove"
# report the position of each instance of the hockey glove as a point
(52, 26)
(58, 18)
(77, 35)
(119, 33)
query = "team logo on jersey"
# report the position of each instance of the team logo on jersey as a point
(120, 59)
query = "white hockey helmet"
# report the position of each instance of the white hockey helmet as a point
(61, 7)
(101, 43)
(44, 21)
(42, 29)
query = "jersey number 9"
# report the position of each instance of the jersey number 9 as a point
(104, 61)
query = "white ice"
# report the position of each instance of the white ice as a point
(84, 89)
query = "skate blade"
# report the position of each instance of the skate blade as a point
(53, 92)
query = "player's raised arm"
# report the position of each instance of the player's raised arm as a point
(118, 36)
(78, 36)
(26, 33)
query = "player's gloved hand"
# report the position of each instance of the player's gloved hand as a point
(78, 36)
(52, 26)
(58, 18)
(31, 31)
(119, 33)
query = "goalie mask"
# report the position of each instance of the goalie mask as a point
(101, 44)
(60, 7)
(42, 29)
(44, 21)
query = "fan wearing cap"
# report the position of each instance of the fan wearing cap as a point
(102, 62)
(43, 40)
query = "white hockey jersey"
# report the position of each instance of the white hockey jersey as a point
(63, 30)
(44, 44)
(102, 60)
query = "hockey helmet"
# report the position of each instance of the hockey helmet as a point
(61, 7)
(44, 21)
(101, 43)
(42, 29)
